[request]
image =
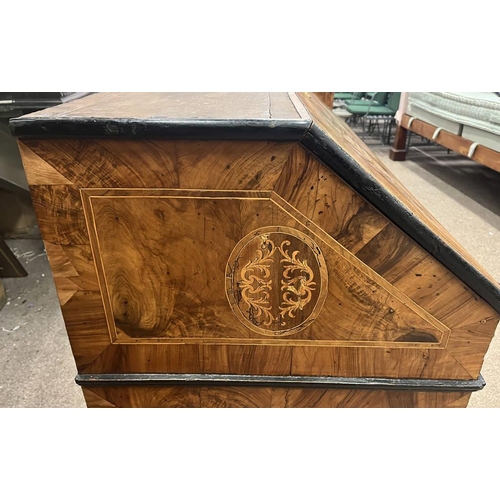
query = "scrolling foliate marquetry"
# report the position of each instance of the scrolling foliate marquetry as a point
(276, 281)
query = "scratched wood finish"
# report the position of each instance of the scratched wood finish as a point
(384, 248)
(139, 235)
(177, 105)
(238, 397)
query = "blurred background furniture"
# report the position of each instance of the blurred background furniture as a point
(374, 110)
(465, 122)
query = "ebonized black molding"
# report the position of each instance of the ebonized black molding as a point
(125, 379)
(248, 130)
(332, 154)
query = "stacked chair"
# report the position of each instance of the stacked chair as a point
(373, 109)
(344, 97)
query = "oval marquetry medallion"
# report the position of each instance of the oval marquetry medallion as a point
(276, 281)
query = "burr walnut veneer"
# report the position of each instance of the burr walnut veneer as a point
(247, 250)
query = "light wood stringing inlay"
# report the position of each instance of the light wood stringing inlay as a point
(180, 267)
(276, 281)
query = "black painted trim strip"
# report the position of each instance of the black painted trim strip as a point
(332, 154)
(257, 130)
(125, 379)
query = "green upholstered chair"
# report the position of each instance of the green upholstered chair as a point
(348, 96)
(376, 99)
(373, 114)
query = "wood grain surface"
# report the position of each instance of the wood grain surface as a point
(95, 401)
(237, 397)
(326, 98)
(168, 268)
(244, 257)
(142, 237)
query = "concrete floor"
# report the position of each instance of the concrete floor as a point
(36, 364)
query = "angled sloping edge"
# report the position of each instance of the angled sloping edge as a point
(346, 166)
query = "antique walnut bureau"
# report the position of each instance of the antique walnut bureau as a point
(247, 249)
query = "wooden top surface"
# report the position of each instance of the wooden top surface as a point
(179, 105)
(241, 115)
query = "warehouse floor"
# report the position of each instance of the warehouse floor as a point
(36, 365)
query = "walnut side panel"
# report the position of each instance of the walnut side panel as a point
(237, 397)
(128, 223)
